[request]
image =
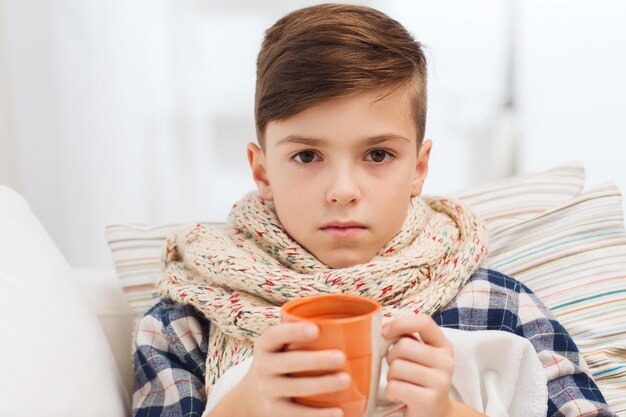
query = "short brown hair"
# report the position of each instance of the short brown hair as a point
(330, 50)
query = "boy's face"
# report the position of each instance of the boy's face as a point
(340, 177)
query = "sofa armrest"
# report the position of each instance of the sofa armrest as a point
(104, 295)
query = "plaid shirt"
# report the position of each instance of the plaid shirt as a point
(172, 339)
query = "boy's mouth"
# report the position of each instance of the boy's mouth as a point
(343, 229)
(343, 224)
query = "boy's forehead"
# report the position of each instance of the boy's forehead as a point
(363, 117)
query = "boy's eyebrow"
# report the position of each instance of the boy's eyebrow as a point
(321, 142)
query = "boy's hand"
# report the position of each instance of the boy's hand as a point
(420, 373)
(267, 389)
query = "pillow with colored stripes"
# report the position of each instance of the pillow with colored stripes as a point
(515, 199)
(137, 250)
(573, 256)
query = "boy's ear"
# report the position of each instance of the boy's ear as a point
(421, 168)
(256, 159)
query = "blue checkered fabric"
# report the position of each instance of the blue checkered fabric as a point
(172, 339)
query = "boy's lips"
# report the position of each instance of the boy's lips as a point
(343, 224)
(343, 229)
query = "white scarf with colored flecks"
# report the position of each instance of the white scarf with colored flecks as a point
(239, 277)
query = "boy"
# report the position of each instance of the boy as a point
(340, 114)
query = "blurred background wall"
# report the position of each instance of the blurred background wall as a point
(139, 111)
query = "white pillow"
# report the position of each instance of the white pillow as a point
(54, 357)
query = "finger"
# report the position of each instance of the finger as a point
(285, 386)
(275, 337)
(281, 363)
(421, 353)
(428, 400)
(417, 374)
(400, 391)
(423, 324)
(287, 408)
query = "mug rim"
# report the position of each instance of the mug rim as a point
(293, 303)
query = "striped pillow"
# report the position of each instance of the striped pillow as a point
(573, 256)
(137, 250)
(515, 199)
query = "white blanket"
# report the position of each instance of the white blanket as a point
(495, 372)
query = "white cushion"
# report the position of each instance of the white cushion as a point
(55, 359)
(102, 290)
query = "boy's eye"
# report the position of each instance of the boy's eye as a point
(305, 156)
(378, 155)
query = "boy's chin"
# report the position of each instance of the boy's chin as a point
(337, 261)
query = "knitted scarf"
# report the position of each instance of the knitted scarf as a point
(239, 277)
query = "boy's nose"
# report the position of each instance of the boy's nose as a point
(343, 188)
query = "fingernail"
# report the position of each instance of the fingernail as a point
(385, 330)
(310, 331)
(343, 379)
(337, 412)
(337, 358)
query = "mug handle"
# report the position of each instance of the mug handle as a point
(384, 410)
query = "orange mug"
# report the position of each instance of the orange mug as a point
(351, 323)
